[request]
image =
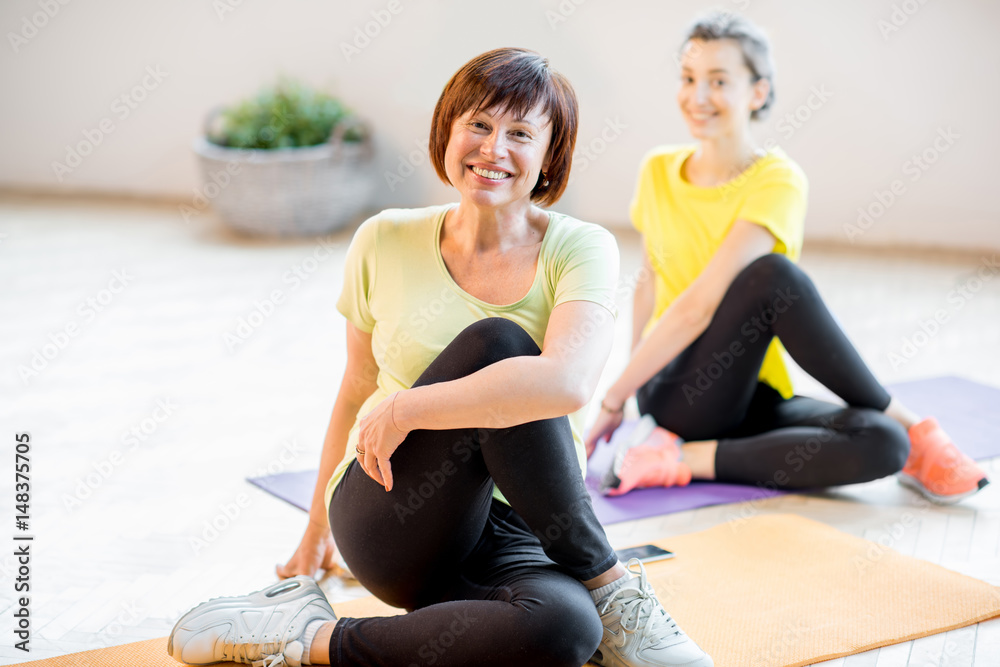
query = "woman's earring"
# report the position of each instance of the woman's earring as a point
(545, 180)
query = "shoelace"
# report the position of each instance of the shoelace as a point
(643, 609)
(261, 655)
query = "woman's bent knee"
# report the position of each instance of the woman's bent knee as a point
(773, 269)
(882, 444)
(494, 338)
(568, 634)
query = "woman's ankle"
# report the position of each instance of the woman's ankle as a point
(700, 458)
(319, 647)
(901, 413)
(613, 574)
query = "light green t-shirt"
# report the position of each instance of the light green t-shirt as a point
(397, 287)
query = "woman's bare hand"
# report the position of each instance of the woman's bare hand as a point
(378, 438)
(605, 426)
(316, 550)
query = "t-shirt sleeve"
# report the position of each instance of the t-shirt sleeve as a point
(779, 204)
(641, 193)
(586, 268)
(359, 277)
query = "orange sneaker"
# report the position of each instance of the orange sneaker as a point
(655, 462)
(936, 468)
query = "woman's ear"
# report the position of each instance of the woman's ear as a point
(761, 89)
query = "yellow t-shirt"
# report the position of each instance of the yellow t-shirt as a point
(683, 225)
(397, 287)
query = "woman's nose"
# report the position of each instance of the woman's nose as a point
(494, 145)
(701, 93)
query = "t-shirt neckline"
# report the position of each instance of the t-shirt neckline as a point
(468, 297)
(679, 169)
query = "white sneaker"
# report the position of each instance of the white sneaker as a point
(640, 433)
(639, 633)
(260, 629)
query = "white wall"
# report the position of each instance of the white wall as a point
(890, 93)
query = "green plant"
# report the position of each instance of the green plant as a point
(285, 115)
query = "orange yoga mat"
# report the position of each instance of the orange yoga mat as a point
(771, 591)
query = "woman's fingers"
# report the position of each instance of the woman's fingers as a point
(385, 470)
(370, 462)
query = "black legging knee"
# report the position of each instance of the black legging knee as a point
(711, 392)
(440, 545)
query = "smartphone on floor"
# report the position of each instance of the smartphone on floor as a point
(647, 553)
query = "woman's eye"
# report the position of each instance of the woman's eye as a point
(719, 83)
(521, 134)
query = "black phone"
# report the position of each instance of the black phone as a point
(647, 553)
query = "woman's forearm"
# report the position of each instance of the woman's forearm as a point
(509, 392)
(345, 410)
(642, 305)
(673, 332)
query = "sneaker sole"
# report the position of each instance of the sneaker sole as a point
(912, 482)
(264, 596)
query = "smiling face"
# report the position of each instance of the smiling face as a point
(494, 158)
(717, 93)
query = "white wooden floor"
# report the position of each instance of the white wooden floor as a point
(146, 420)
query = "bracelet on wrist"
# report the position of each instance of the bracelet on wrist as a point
(612, 411)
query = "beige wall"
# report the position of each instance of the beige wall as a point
(890, 90)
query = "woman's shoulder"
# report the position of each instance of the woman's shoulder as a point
(568, 233)
(407, 217)
(400, 224)
(666, 155)
(778, 167)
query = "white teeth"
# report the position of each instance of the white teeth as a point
(494, 175)
(701, 116)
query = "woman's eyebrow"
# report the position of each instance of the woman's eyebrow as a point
(717, 70)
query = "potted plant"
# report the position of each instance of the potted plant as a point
(291, 161)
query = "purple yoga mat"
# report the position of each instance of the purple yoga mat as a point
(967, 410)
(642, 503)
(292, 487)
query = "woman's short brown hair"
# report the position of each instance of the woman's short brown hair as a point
(512, 80)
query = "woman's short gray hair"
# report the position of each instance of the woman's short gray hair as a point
(756, 48)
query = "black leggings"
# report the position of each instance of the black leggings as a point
(711, 392)
(484, 583)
